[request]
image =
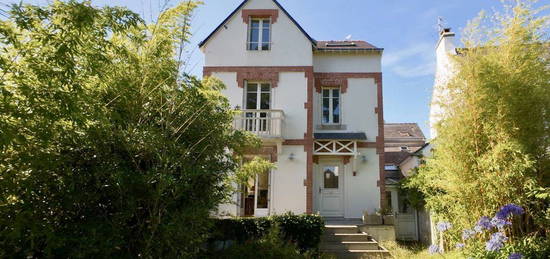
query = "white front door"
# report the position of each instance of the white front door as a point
(331, 190)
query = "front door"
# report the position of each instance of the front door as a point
(331, 190)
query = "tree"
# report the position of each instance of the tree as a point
(493, 144)
(106, 150)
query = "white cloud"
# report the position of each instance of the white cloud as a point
(413, 61)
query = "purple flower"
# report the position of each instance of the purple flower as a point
(478, 229)
(496, 242)
(467, 234)
(484, 223)
(434, 249)
(515, 256)
(509, 209)
(500, 223)
(444, 226)
(460, 245)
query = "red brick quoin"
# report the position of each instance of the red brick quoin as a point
(260, 13)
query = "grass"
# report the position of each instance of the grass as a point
(415, 250)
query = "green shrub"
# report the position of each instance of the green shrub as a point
(268, 246)
(304, 231)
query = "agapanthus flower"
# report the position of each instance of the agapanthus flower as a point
(444, 226)
(484, 223)
(434, 249)
(515, 256)
(467, 234)
(509, 209)
(500, 223)
(496, 242)
(478, 229)
(460, 245)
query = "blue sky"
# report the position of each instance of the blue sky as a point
(406, 29)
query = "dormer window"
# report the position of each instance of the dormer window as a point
(259, 34)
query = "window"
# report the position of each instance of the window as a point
(330, 177)
(258, 97)
(404, 148)
(331, 105)
(259, 34)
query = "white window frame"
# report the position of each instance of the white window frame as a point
(260, 34)
(258, 94)
(331, 103)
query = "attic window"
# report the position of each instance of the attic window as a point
(404, 148)
(341, 44)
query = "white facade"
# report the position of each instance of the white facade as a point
(445, 49)
(340, 180)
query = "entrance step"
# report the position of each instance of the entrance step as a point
(347, 241)
(342, 237)
(341, 229)
(350, 245)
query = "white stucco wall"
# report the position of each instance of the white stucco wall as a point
(288, 182)
(290, 96)
(358, 105)
(227, 47)
(361, 191)
(351, 63)
(233, 93)
(444, 72)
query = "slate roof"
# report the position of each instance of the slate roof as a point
(342, 135)
(403, 130)
(395, 157)
(345, 45)
(392, 177)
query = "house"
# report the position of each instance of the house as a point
(404, 146)
(444, 72)
(316, 105)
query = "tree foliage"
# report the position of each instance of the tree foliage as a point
(105, 149)
(493, 144)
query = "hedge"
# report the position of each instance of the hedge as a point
(304, 231)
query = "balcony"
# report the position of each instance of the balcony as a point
(266, 124)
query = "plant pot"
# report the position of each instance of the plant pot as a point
(388, 219)
(372, 219)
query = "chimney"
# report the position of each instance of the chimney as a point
(446, 42)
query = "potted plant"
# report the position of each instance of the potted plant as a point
(387, 215)
(372, 219)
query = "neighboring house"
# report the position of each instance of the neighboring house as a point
(444, 50)
(404, 144)
(317, 105)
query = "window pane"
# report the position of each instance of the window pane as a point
(264, 104)
(255, 24)
(326, 111)
(266, 88)
(326, 92)
(251, 87)
(265, 39)
(263, 190)
(330, 177)
(266, 23)
(251, 101)
(336, 110)
(335, 92)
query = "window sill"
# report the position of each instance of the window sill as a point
(332, 127)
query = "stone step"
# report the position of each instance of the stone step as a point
(349, 245)
(346, 237)
(341, 229)
(365, 254)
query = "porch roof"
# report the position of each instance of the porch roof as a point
(341, 136)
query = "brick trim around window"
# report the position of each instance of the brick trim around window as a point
(260, 13)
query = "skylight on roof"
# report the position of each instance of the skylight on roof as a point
(341, 44)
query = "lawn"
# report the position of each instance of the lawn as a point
(414, 250)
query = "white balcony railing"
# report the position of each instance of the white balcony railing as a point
(264, 123)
